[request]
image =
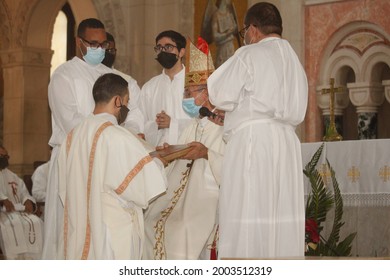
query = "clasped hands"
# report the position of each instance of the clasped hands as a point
(9, 206)
(163, 120)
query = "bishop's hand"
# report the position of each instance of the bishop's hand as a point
(198, 151)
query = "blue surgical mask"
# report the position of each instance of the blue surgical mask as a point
(94, 56)
(190, 107)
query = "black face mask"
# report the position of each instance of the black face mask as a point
(123, 114)
(3, 162)
(109, 60)
(167, 60)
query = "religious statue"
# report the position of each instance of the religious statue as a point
(220, 26)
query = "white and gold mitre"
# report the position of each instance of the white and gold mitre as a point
(199, 63)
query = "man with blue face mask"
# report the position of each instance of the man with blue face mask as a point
(71, 101)
(181, 224)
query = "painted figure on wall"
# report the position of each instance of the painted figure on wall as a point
(220, 26)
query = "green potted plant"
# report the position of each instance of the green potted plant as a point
(319, 202)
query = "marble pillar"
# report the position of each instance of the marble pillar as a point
(386, 85)
(27, 129)
(367, 97)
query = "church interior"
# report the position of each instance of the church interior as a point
(343, 45)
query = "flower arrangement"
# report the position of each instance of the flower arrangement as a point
(319, 202)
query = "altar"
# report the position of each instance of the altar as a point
(362, 169)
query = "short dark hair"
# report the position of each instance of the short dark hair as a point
(107, 86)
(89, 23)
(110, 38)
(174, 36)
(266, 17)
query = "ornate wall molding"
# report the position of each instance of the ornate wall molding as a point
(111, 13)
(318, 2)
(5, 26)
(361, 40)
(26, 57)
(367, 97)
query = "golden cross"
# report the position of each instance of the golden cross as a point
(331, 131)
(384, 173)
(354, 174)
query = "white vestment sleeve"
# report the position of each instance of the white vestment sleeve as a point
(139, 177)
(62, 173)
(63, 103)
(215, 160)
(24, 194)
(224, 93)
(152, 133)
(135, 118)
(39, 180)
(3, 193)
(175, 128)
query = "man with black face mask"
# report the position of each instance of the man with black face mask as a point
(20, 229)
(133, 120)
(106, 178)
(161, 96)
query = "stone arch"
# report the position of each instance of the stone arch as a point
(40, 26)
(337, 61)
(345, 75)
(376, 63)
(357, 56)
(25, 62)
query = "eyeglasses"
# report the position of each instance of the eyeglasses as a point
(242, 31)
(187, 93)
(111, 51)
(95, 45)
(166, 48)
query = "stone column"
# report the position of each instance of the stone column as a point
(341, 101)
(27, 129)
(367, 97)
(386, 85)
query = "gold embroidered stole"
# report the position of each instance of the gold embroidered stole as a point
(159, 247)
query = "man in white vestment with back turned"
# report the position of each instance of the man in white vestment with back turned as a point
(106, 178)
(263, 90)
(182, 224)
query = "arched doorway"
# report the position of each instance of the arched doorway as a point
(25, 62)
